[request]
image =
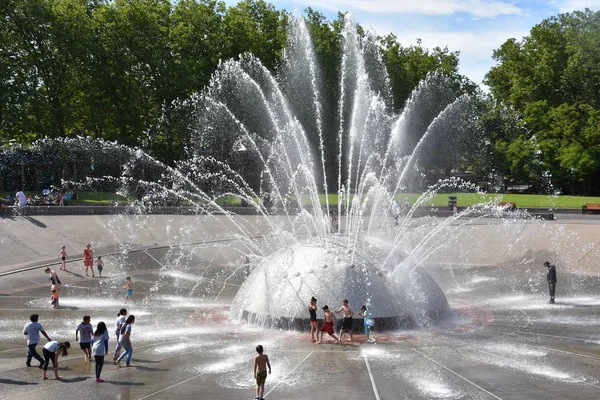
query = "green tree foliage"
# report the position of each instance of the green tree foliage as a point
(121, 70)
(551, 78)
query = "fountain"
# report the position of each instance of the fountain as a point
(266, 140)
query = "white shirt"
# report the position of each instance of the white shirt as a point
(52, 346)
(99, 347)
(32, 330)
(21, 197)
(120, 321)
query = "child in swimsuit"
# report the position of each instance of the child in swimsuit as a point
(63, 256)
(100, 265)
(261, 362)
(129, 289)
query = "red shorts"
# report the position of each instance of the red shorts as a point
(327, 327)
(315, 323)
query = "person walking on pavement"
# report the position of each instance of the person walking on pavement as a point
(32, 330)
(551, 278)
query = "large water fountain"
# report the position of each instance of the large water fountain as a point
(293, 149)
(324, 251)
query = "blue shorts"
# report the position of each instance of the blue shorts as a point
(129, 292)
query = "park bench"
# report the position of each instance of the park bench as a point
(507, 205)
(590, 207)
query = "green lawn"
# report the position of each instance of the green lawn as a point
(438, 200)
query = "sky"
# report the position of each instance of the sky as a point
(474, 27)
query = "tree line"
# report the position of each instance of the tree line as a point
(114, 69)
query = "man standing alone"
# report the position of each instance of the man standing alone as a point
(551, 278)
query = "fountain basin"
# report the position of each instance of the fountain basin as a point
(277, 291)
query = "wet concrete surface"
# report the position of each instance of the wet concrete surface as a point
(503, 340)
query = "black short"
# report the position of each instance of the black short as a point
(85, 345)
(347, 324)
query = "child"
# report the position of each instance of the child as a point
(121, 317)
(314, 324)
(368, 323)
(85, 338)
(100, 265)
(63, 256)
(261, 362)
(32, 330)
(328, 324)
(100, 348)
(54, 297)
(51, 352)
(129, 286)
(125, 340)
(347, 321)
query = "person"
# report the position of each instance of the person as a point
(20, 200)
(54, 298)
(52, 350)
(261, 362)
(121, 317)
(100, 348)
(63, 256)
(83, 334)
(100, 265)
(32, 330)
(314, 324)
(347, 322)
(367, 322)
(551, 278)
(328, 319)
(125, 339)
(54, 284)
(129, 289)
(88, 259)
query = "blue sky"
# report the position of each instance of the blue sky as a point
(473, 27)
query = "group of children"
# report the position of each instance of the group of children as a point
(92, 342)
(88, 262)
(329, 320)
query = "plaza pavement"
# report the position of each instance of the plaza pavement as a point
(503, 342)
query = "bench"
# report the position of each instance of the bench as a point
(507, 205)
(590, 207)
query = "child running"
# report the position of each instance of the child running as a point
(328, 318)
(52, 350)
(100, 265)
(63, 256)
(84, 333)
(261, 362)
(129, 289)
(125, 340)
(100, 348)
(121, 317)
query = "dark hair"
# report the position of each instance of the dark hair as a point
(34, 317)
(86, 317)
(122, 311)
(363, 307)
(47, 269)
(259, 349)
(128, 321)
(345, 300)
(325, 307)
(100, 329)
(99, 257)
(313, 298)
(64, 346)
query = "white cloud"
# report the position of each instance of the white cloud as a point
(477, 8)
(572, 5)
(476, 47)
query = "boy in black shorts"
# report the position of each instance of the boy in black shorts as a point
(347, 322)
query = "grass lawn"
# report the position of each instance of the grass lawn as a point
(437, 200)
